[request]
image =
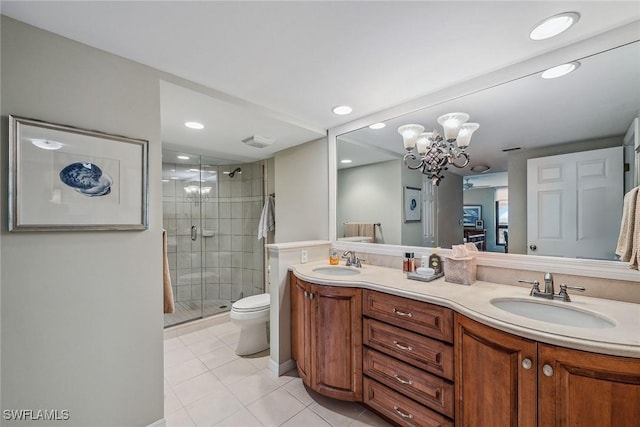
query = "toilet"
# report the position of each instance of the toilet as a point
(251, 314)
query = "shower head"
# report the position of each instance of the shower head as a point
(232, 174)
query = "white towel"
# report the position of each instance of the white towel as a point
(267, 218)
(625, 247)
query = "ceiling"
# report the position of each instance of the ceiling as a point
(276, 69)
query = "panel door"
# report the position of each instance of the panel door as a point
(578, 388)
(574, 204)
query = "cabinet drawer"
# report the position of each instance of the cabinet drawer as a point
(399, 409)
(417, 316)
(425, 353)
(423, 387)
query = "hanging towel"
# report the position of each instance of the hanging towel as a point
(267, 218)
(628, 227)
(367, 229)
(350, 229)
(169, 304)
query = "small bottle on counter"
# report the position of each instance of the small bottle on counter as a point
(333, 256)
(409, 263)
(435, 262)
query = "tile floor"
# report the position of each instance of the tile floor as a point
(207, 384)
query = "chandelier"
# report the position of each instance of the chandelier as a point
(197, 194)
(435, 152)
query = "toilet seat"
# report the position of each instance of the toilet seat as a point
(252, 304)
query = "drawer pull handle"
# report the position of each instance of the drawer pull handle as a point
(402, 414)
(402, 380)
(402, 313)
(402, 347)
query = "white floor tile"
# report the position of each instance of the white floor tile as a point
(275, 408)
(242, 418)
(369, 419)
(223, 329)
(206, 346)
(298, 390)
(184, 371)
(177, 356)
(172, 344)
(253, 387)
(179, 418)
(259, 360)
(199, 387)
(234, 371)
(336, 412)
(171, 402)
(218, 357)
(194, 337)
(231, 339)
(281, 380)
(306, 418)
(212, 409)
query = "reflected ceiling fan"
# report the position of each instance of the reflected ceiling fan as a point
(468, 185)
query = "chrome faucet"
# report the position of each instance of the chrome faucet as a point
(352, 259)
(548, 292)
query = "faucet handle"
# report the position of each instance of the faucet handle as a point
(564, 296)
(535, 283)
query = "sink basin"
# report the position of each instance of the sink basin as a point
(337, 270)
(546, 311)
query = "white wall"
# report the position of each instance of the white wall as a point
(302, 192)
(371, 193)
(81, 313)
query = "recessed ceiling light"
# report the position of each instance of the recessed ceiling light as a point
(194, 125)
(183, 157)
(341, 110)
(377, 125)
(346, 161)
(554, 25)
(174, 177)
(165, 180)
(560, 70)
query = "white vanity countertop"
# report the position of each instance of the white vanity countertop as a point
(473, 301)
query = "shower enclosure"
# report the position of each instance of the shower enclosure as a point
(211, 209)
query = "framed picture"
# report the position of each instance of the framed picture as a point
(472, 213)
(66, 178)
(412, 211)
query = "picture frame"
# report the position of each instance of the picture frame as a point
(412, 204)
(471, 214)
(63, 178)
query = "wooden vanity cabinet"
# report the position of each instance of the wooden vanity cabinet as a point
(505, 380)
(326, 338)
(408, 360)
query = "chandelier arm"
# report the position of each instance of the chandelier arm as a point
(411, 156)
(460, 155)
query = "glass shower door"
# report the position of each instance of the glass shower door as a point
(182, 218)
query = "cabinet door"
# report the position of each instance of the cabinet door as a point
(337, 347)
(578, 388)
(495, 377)
(301, 326)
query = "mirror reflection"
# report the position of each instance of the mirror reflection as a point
(548, 167)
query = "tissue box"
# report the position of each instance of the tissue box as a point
(460, 270)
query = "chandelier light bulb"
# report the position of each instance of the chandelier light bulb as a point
(464, 136)
(410, 135)
(423, 141)
(451, 123)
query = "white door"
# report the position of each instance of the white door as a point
(574, 204)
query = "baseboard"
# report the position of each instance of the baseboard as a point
(159, 423)
(195, 325)
(283, 368)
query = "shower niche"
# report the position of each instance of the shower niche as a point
(211, 209)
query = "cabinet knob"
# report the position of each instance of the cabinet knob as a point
(547, 370)
(527, 363)
(533, 247)
(401, 413)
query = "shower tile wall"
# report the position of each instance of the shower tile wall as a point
(229, 263)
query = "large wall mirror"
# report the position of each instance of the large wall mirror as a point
(592, 108)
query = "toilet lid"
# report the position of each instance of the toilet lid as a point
(252, 303)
